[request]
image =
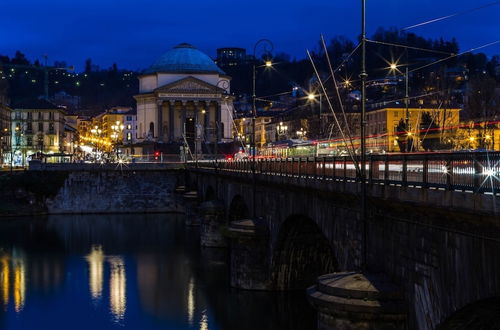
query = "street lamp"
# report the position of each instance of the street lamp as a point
(268, 48)
(282, 129)
(393, 68)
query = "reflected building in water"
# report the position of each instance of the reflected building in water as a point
(117, 287)
(117, 280)
(13, 279)
(95, 261)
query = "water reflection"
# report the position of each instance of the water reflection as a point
(13, 281)
(127, 272)
(19, 286)
(95, 260)
(117, 288)
(5, 280)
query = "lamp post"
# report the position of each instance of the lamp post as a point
(363, 75)
(268, 48)
(282, 129)
(117, 130)
(97, 132)
(393, 68)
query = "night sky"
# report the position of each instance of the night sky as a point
(134, 33)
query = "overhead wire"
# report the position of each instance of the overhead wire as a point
(332, 74)
(331, 108)
(450, 16)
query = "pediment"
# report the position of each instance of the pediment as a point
(189, 85)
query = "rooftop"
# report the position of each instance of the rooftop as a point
(184, 58)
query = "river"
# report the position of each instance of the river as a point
(128, 272)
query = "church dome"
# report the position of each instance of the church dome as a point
(184, 58)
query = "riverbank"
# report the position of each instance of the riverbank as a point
(89, 192)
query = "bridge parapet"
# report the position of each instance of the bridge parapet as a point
(468, 182)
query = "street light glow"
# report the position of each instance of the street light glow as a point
(311, 97)
(269, 64)
(393, 66)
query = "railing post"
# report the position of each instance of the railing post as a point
(370, 169)
(315, 164)
(477, 174)
(334, 168)
(449, 173)
(298, 169)
(345, 168)
(425, 172)
(405, 172)
(324, 168)
(386, 170)
(306, 172)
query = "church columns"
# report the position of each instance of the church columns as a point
(171, 111)
(206, 124)
(218, 120)
(160, 120)
(183, 118)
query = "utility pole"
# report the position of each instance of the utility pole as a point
(363, 75)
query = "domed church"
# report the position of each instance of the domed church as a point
(184, 97)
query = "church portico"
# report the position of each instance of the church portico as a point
(184, 98)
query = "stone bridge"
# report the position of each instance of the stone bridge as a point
(438, 248)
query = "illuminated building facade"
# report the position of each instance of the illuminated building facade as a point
(183, 97)
(37, 126)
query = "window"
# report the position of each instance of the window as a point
(40, 115)
(129, 136)
(51, 141)
(51, 116)
(29, 141)
(129, 118)
(30, 115)
(40, 127)
(129, 126)
(51, 127)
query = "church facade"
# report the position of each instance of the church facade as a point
(184, 98)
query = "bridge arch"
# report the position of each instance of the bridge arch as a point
(302, 253)
(209, 194)
(483, 314)
(238, 209)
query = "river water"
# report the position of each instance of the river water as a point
(127, 272)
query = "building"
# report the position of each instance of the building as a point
(37, 126)
(5, 115)
(184, 99)
(385, 128)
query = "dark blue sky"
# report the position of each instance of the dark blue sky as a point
(133, 33)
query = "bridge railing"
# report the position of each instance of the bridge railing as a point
(477, 172)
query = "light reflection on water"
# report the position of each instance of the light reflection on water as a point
(117, 288)
(127, 272)
(96, 271)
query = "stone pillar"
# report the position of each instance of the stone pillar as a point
(218, 112)
(159, 105)
(212, 224)
(190, 206)
(197, 131)
(351, 300)
(206, 124)
(183, 117)
(249, 255)
(171, 120)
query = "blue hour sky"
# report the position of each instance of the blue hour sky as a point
(133, 33)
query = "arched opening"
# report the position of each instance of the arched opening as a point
(209, 194)
(238, 209)
(302, 254)
(484, 314)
